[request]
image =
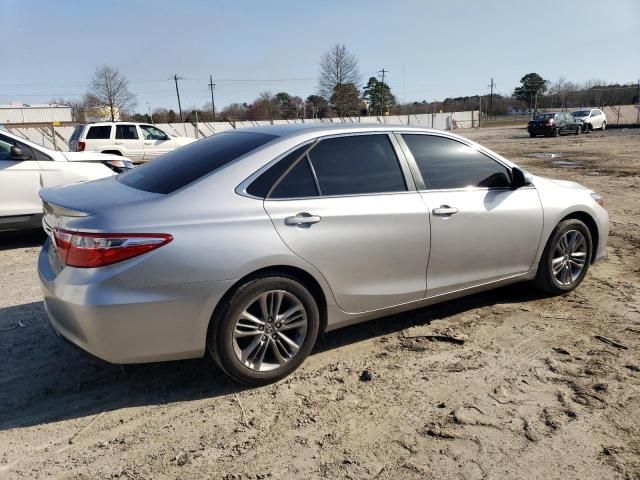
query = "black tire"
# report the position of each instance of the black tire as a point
(545, 279)
(220, 339)
(604, 126)
(578, 130)
(556, 132)
(588, 128)
(112, 152)
(532, 135)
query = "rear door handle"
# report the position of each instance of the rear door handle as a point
(303, 220)
(444, 210)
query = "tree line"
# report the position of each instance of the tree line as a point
(340, 93)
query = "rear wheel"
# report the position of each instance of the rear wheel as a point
(566, 258)
(532, 135)
(265, 330)
(578, 129)
(556, 132)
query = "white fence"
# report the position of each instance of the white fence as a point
(58, 137)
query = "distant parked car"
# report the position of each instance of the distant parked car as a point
(554, 124)
(26, 167)
(138, 141)
(591, 119)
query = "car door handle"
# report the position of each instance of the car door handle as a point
(303, 220)
(444, 210)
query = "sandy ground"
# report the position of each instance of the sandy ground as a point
(540, 388)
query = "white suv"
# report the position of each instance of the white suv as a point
(138, 141)
(591, 119)
(26, 167)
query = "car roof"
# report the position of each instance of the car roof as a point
(293, 129)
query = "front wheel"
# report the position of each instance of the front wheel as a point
(532, 135)
(604, 125)
(556, 132)
(264, 330)
(566, 258)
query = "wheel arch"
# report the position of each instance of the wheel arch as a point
(591, 224)
(113, 151)
(304, 277)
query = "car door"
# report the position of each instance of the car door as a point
(156, 142)
(19, 181)
(350, 209)
(129, 140)
(482, 230)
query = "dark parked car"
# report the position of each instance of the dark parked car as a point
(554, 124)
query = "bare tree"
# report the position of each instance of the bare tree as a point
(109, 89)
(338, 67)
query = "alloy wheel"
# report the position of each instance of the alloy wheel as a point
(270, 330)
(569, 258)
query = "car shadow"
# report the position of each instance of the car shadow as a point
(43, 379)
(22, 239)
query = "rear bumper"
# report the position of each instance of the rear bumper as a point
(98, 313)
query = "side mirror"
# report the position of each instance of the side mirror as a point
(518, 178)
(19, 154)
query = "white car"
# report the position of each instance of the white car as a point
(591, 119)
(26, 167)
(138, 141)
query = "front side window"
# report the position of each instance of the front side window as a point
(153, 133)
(126, 132)
(445, 163)
(5, 148)
(359, 164)
(99, 133)
(185, 165)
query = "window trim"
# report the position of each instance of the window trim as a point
(416, 170)
(403, 162)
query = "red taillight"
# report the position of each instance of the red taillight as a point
(81, 146)
(91, 250)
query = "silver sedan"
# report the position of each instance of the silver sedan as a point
(249, 244)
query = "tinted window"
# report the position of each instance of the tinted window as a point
(75, 136)
(5, 148)
(446, 163)
(95, 133)
(356, 165)
(581, 113)
(180, 167)
(126, 132)
(261, 185)
(298, 183)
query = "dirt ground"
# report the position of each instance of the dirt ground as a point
(536, 387)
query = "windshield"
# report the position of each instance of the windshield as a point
(180, 167)
(581, 113)
(545, 116)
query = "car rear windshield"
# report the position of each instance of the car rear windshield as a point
(545, 116)
(180, 167)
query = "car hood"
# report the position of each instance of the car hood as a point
(91, 157)
(561, 183)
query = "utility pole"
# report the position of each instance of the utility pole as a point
(175, 79)
(383, 71)
(212, 87)
(491, 98)
(150, 114)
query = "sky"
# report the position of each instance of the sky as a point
(431, 49)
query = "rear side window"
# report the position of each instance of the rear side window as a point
(446, 163)
(299, 183)
(126, 132)
(358, 164)
(260, 186)
(99, 133)
(75, 136)
(180, 167)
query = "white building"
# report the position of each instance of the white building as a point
(18, 112)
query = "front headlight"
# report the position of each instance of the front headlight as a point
(598, 199)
